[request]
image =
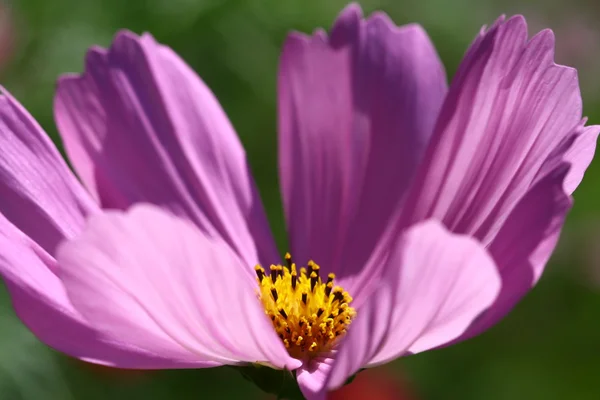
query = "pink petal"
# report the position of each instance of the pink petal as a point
(41, 204)
(41, 302)
(524, 244)
(157, 282)
(356, 111)
(312, 377)
(38, 193)
(140, 126)
(435, 284)
(580, 155)
(508, 108)
(507, 123)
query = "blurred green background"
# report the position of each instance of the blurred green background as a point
(549, 346)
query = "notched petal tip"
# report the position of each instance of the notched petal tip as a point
(580, 155)
(126, 34)
(351, 12)
(382, 22)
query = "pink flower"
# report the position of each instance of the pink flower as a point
(430, 210)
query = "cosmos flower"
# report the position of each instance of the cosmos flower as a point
(418, 214)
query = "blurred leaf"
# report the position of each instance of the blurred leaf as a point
(28, 369)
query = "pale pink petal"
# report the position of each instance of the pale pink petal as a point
(140, 126)
(40, 301)
(356, 112)
(42, 204)
(312, 377)
(38, 193)
(156, 281)
(435, 284)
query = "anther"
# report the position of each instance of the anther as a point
(310, 267)
(273, 269)
(330, 278)
(294, 279)
(260, 272)
(274, 293)
(328, 288)
(283, 313)
(313, 280)
(320, 312)
(288, 260)
(338, 295)
(316, 268)
(304, 297)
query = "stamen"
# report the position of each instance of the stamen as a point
(309, 267)
(313, 280)
(297, 303)
(260, 272)
(283, 313)
(337, 295)
(328, 289)
(330, 278)
(294, 279)
(273, 269)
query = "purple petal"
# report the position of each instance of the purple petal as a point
(580, 155)
(436, 283)
(140, 126)
(157, 282)
(38, 193)
(356, 112)
(504, 127)
(508, 108)
(524, 244)
(41, 302)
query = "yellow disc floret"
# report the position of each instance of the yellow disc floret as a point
(308, 314)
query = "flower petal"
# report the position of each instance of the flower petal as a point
(40, 301)
(356, 112)
(155, 281)
(436, 283)
(140, 126)
(311, 378)
(524, 244)
(580, 155)
(38, 193)
(507, 109)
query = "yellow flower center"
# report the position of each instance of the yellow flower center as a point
(309, 315)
